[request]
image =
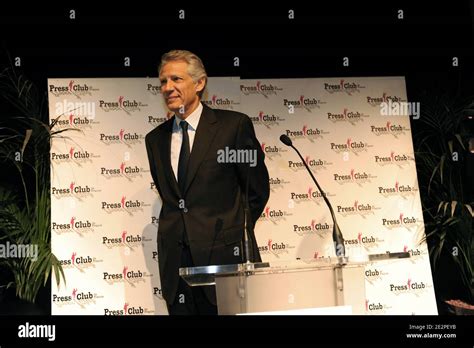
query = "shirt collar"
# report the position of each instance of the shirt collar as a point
(192, 119)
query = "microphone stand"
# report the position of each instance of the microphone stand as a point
(336, 232)
(247, 227)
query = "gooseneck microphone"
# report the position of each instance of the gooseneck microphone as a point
(336, 232)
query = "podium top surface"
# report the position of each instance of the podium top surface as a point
(205, 275)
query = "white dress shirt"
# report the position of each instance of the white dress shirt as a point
(177, 136)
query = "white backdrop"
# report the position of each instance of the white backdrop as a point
(104, 206)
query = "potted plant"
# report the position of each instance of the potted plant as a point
(25, 199)
(441, 150)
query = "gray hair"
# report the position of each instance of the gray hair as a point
(195, 66)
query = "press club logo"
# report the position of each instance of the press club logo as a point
(350, 145)
(316, 164)
(124, 239)
(410, 286)
(153, 187)
(400, 190)
(128, 310)
(153, 89)
(123, 206)
(374, 274)
(128, 172)
(219, 102)
(274, 216)
(267, 120)
(317, 256)
(121, 137)
(343, 86)
(76, 297)
(376, 307)
(275, 248)
(416, 254)
(367, 241)
(72, 89)
(80, 227)
(277, 183)
(155, 121)
(397, 159)
(321, 229)
(303, 103)
(265, 89)
(353, 177)
(122, 104)
(157, 293)
(384, 98)
(272, 152)
(311, 195)
(127, 276)
(155, 220)
(357, 208)
(75, 156)
(308, 133)
(72, 121)
(394, 130)
(79, 192)
(401, 221)
(79, 262)
(350, 116)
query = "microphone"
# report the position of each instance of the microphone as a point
(336, 232)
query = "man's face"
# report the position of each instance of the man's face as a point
(178, 87)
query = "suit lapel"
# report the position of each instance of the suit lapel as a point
(165, 154)
(205, 133)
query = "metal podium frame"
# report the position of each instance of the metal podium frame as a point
(287, 285)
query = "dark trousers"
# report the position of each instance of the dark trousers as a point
(190, 300)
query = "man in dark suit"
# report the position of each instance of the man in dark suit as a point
(201, 186)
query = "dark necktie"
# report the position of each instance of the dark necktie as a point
(183, 157)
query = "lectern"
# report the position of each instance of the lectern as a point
(284, 286)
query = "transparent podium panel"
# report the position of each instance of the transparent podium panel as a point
(280, 286)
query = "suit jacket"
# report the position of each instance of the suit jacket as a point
(214, 217)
